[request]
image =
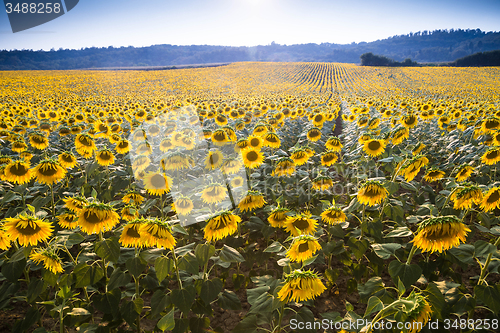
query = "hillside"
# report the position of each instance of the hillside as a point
(434, 46)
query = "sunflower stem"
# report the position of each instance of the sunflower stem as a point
(447, 200)
(485, 267)
(103, 261)
(161, 205)
(137, 295)
(410, 256)
(53, 202)
(177, 269)
(282, 310)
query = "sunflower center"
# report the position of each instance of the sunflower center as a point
(105, 156)
(92, 217)
(31, 229)
(313, 134)
(48, 170)
(123, 144)
(219, 136)
(494, 197)
(328, 158)
(301, 224)
(374, 145)
(38, 139)
(67, 158)
(254, 142)
(489, 124)
(492, 154)
(371, 193)
(252, 156)
(214, 159)
(132, 232)
(158, 181)
(303, 247)
(19, 170)
(86, 141)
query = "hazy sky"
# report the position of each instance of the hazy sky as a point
(246, 22)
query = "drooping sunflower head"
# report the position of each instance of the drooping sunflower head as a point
(96, 217)
(300, 156)
(334, 144)
(67, 160)
(272, 140)
(49, 172)
(303, 247)
(284, 167)
(491, 199)
(156, 232)
(300, 224)
(183, 205)
(214, 193)
(157, 183)
(133, 197)
(232, 165)
(399, 135)
(131, 236)
(214, 159)
(409, 120)
(322, 183)
(372, 193)
(67, 220)
(278, 217)
(84, 143)
(492, 156)
(463, 198)
(301, 286)
(328, 158)
(418, 148)
(18, 172)
(440, 233)
(221, 225)
(314, 134)
(75, 204)
(252, 201)
(49, 258)
(129, 213)
(219, 137)
(433, 175)
(27, 229)
(39, 141)
(122, 146)
(333, 215)
(105, 157)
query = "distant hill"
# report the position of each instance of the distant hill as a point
(490, 58)
(425, 46)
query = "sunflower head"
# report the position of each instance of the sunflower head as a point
(49, 172)
(301, 286)
(252, 201)
(440, 233)
(221, 225)
(278, 217)
(49, 258)
(372, 193)
(303, 247)
(96, 217)
(131, 236)
(27, 229)
(156, 232)
(18, 172)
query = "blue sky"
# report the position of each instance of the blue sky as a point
(117, 23)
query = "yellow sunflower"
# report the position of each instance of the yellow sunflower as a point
(418, 311)
(272, 140)
(328, 158)
(300, 224)
(84, 143)
(67, 160)
(409, 121)
(412, 167)
(300, 156)
(252, 201)
(492, 156)
(155, 232)
(433, 175)
(131, 236)
(75, 204)
(105, 157)
(232, 165)
(129, 213)
(400, 135)
(67, 220)
(122, 146)
(49, 172)
(418, 148)
(96, 217)
(372, 193)
(27, 229)
(214, 193)
(333, 215)
(440, 233)
(183, 205)
(464, 172)
(221, 225)
(278, 217)
(214, 160)
(156, 183)
(334, 144)
(255, 142)
(464, 198)
(133, 197)
(374, 147)
(491, 199)
(18, 172)
(301, 286)
(39, 141)
(322, 183)
(4, 240)
(252, 158)
(303, 247)
(49, 259)
(314, 134)
(285, 167)
(219, 137)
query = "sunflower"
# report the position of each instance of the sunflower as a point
(67, 160)
(409, 121)
(5, 159)
(18, 172)
(27, 229)
(333, 215)
(490, 125)
(314, 134)
(300, 156)
(96, 217)
(333, 143)
(278, 217)
(417, 310)
(67, 221)
(374, 147)
(214, 160)
(237, 182)
(129, 213)
(440, 233)
(4, 240)
(19, 146)
(39, 141)
(50, 260)
(155, 232)
(412, 167)
(322, 183)
(328, 158)
(75, 204)
(105, 157)
(464, 198)
(255, 142)
(241, 144)
(232, 165)
(272, 140)
(49, 172)
(252, 158)
(372, 193)
(214, 193)
(84, 143)
(464, 172)
(219, 137)
(303, 248)
(300, 224)
(492, 156)
(122, 146)
(252, 201)
(418, 148)
(133, 197)
(130, 236)
(285, 167)
(177, 161)
(301, 286)
(157, 183)
(259, 130)
(400, 135)
(491, 199)
(183, 205)
(221, 225)
(433, 175)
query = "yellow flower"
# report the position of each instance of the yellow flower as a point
(433, 174)
(492, 156)
(133, 197)
(4, 240)
(252, 201)
(221, 225)
(314, 134)
(252, 158)
(285, 167)
(27, 229)
(67, 160)
(278, 217)
(303, 248)
(105, 157)
(418, 148)
(155, 232)
(419, 313)
(122, 147)
(156, 183)
(39, 141)
(213, 160)
(412, 168)
(328, 158)
(491, 199)
(130, 236)
(272, 140)
(49, 172)
(322, 183)
(333, 215)
(464, 172)
(50, 260)
(333, 144)
(374, 147)
(232, 165)
(255, 142)
(400, 135)
(440, 233)
(96, 217)
(409, 121)
(18, 172)
(129, 213)
(214, 193)
(301, 286)
(465, 197)
(300, 224)
(219, 137)
(183, 205)
(75, 204)
(372, 193)
(67, 221)
(300, 156)
(84, 143)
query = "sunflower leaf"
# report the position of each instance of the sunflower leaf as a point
(229, 254)
(167, 322)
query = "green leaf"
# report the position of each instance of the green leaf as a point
(274, 247)
(86, 275)
(238, 280)
(263, 303)
(435, 299)
(163, 266)
(229, 301)
(108, 249)
(371, 287)
(305, 316)
(408, 274)
(210, 289)
(12, 271)
(30, 318)
(184, 298)
(189, 263)
(399, 232)
(108, 302)
(198, 325)
(118, 279)
(159, 301)
(178, 228)
(167, 322)
(401, 287)
(464, 253)
(489, 295)
(247, 325)
(374, 305)
(129, 312)
(255, 293)
(228, 254)
(482, 248)
(203, 252)
(358, 247)
(135, 266)
(386, 250)
(73, 239)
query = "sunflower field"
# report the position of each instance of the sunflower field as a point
(252, 197)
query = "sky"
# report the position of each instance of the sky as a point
(103, 23)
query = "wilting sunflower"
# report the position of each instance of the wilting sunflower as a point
(272, 140)
(433, 175)
(464, 198)
(122, 146)
(133, 197)
(491, 199)
(67, 220)
(374, 147)
(241, 144)
(418, 148)
(333, 215)
(39, 141)
(155, 232)
(490, 125)
(300, 224)
(400, 135)
(84, 143)
(19, 146)
(409, 121)
(372, 193)
(50, 259)
(278, 217)
(252, 201)
(237, 182)
(27, 229)
(322, 183)
(252, 158)
(303, 248)
(285, 167)
(183, 205)
(129, 213)
(219, 137)
(75, 204)
(4, 240)
(49, 172)
(214, 193)
(221, 225)
(418, 312)
(67, 160)
(412, 167)
(301, 286)
(18, 172)
(177, 161)
(105, 157)
(328, 158)
(334, 144)
(97, 217)
(130, 236)
(464, 172)
(314, 134)
(300, 156)
(440, 233)
(156, 183)
(492, 156)
(214, 160)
